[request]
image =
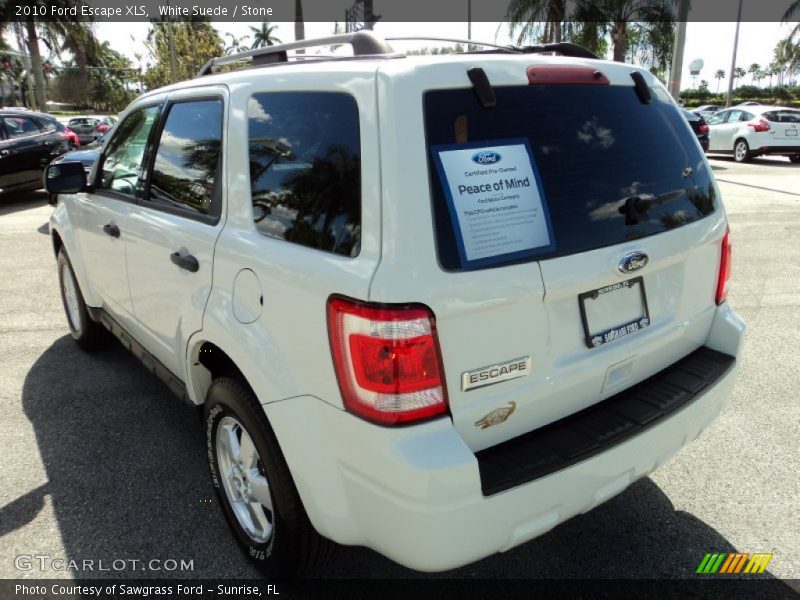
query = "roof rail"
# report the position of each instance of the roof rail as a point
(364, 44)
(563, 48)
(454, 40)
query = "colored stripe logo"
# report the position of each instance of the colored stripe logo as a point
(734, 562)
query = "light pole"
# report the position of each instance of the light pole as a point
(733, 60)
(469, 19)
(677, 51)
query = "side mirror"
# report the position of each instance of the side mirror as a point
(65, 178)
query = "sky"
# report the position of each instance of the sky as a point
(711, 42)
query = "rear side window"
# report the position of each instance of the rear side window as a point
(305, 169)
(47, 125)
(607, 169)
(187, 159)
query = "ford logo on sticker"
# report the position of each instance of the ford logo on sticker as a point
(487, 157)
(633, 262)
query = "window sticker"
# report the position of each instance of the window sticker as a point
(496, 201)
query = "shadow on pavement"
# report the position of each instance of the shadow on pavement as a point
(22, 511)
(14, 202)
(774, 161)
(128, 479)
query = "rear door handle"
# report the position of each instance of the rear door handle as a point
(111, 229)
(188, 262)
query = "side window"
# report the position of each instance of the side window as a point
(734, 116)
(20, 126)
(305, 169)
(47, 125)
(187, 159)
(122, 164)
(717, 118)
(746, 116)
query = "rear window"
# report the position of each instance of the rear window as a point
(783, 116)
(606, 169)
(80, 122)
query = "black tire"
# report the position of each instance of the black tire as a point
(744, 155)
(89, 334)
(795, 158)
(294, 548)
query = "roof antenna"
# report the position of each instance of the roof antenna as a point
(483, 89)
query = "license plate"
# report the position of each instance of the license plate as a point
(791, 132)
(614, 311)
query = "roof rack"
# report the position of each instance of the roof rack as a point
(452, 40)
(563, 48)
(365, 44)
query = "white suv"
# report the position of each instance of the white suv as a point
(430, 305)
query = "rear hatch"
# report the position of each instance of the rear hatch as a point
(784, 127)
(572, 231)
(84, 127)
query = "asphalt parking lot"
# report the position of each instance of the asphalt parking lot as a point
(100, 462)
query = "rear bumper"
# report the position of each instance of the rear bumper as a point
(415, 494)
(785, 150)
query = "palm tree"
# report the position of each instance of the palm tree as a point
(262, 36)
(719, 76)
(753, 70)
(526, 17)
(773, 70)
(621, 13)
(738, 73)
(236, 43)
(51, 31)
(791, 14)
(647, 23)
(79, 40)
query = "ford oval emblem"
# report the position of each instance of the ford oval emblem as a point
(633, 262)
(487, 157)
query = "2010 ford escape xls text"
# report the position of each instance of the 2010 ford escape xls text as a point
(410, 293)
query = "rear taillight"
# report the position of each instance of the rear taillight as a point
(703, 128)
(724, 268)
(761, 125)
(387, 360)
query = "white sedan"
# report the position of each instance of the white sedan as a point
(748, 131)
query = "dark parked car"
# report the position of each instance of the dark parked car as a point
(699, 127)
(90, 128)
(28, 142)
(72, 137)
(706, 110)
(86, 155)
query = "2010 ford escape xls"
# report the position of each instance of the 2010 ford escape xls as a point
(430, 305)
